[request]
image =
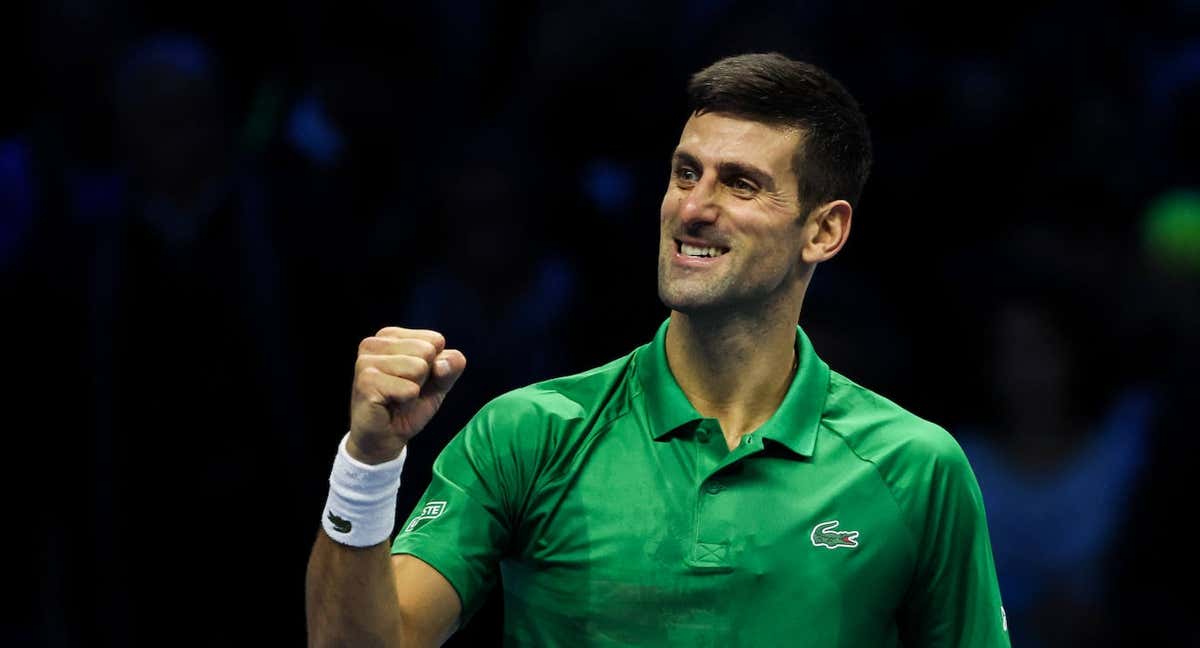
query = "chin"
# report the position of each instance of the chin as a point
(674, 301)
(695, 295)
(688, 304)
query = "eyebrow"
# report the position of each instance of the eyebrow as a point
(728, 169)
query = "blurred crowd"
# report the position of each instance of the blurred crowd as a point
(203, 209)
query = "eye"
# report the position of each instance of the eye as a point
(686, 174)
(742, 185)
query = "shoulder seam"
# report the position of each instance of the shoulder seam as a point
(913, 539)
(599, 426)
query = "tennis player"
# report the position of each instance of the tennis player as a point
(717, 486)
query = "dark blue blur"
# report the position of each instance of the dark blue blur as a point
(205, 206)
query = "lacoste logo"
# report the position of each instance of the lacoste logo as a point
(429, 512)
(824, 535)
(340, 525)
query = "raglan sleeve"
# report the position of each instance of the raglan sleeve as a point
(954, 598)
(464, 522)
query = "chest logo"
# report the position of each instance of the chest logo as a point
(430, 511)
(826, 535)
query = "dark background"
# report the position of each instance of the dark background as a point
(205, 206)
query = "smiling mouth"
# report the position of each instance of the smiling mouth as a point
(698, 252)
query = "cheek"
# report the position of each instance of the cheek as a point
(783, 248)
(669, 206)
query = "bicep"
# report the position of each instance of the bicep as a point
(429, 605)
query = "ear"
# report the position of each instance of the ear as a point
(826, 231)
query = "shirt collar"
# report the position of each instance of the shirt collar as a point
(794, 424)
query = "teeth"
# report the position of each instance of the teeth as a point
(692, 250)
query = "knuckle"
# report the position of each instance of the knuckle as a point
(408, 390)
(438, 340)
(366, 361)
(420, 369)
(425, 349)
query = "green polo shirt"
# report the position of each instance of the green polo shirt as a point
(615, 514)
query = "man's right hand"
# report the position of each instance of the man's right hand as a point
(400, 380)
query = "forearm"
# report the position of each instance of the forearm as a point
(350, 596)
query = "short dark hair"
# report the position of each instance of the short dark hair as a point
(834, 156)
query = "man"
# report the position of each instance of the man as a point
(717, 486)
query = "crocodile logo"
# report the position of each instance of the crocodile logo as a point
(340, 525)
(825, 535)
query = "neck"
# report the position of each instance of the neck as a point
(732, 367)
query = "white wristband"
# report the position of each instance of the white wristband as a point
(361, 509)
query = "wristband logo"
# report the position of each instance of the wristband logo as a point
(339, 524)
(431, 510)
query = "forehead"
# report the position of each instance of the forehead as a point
(714, 138)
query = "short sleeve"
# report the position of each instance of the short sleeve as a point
(954, 599)
(463, 524)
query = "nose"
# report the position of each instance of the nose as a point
(698, 205)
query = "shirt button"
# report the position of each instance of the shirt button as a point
(702, 435)
(748, 439)
(714, 487)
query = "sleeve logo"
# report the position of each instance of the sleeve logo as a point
(825, 535)
(430, 511)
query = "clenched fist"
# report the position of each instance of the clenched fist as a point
(400, 379)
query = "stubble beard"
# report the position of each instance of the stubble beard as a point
(692, 294)
(689, 294)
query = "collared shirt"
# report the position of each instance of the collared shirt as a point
(613, 513)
